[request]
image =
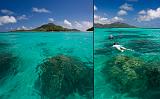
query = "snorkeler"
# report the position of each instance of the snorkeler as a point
(120, 47)
(110, 36)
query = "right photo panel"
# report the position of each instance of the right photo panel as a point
(126, 49)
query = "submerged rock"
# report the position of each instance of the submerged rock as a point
(124, 73)
(64, 75)
(132, 76)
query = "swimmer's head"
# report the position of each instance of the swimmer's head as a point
(111, 36)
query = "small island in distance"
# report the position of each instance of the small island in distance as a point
(47, 28)
(90, 29)
(114, 25)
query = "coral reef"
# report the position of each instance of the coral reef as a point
(132, 75)
(64, 75)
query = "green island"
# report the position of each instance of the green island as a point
(48, 28)
(114, 25)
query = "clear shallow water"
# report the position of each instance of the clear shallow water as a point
(30, 50)
(145, 44)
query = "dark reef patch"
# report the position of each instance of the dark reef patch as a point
(122, 31)
(144, 46)
(131, 36)
(133, 76)
(41, 44)
(7, 64)
(4, 44)
(62, 75)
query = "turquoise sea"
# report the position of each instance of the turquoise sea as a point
(140, 79)
(22, 52)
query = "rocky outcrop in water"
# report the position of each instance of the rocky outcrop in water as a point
(64, 75)
(133, 76)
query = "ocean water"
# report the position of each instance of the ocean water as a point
(24, 51)
(145, 45)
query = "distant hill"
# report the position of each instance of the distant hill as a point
(49, 27)
(114, 25)
(90, 29)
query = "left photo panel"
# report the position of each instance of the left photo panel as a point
(46, 49)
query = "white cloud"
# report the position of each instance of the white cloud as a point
(40, 10)
(22, 17)
(126, 7)
(95, 8)
(7, 20)
(83, 25)
(67, 23)
(24, 28)
(122, 12)
(142, 12)
(101, 20)
(105, 20)
(80, 25)
(50, 19)
(6, 11)
(86, 25)
(116, 19)
(150, 15)
(77, 24)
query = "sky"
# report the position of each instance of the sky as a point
(28, 14)
(141, 13)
